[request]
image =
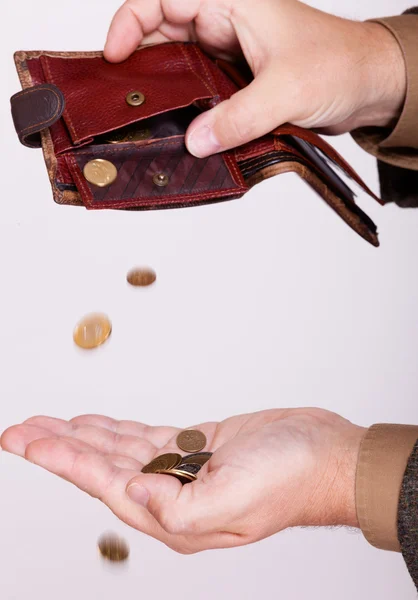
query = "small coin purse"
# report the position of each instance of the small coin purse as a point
(113, 134)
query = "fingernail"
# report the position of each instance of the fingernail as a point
(138, 494)
(202, 142)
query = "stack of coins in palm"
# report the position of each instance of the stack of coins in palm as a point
(183, 468)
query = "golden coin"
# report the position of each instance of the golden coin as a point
(141, 277)
(128, 134)
(115, 137)
(182, 476)
(138, 135)
(163, 462)
(92, 331)
(100, 172)
(191, 440)
(113, 547)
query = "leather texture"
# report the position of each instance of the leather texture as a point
(166, 76)
(35, 109)
(178, 80)
(190, 179)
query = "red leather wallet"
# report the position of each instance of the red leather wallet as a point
(113, 134)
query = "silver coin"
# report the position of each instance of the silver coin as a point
(190, 468)
(198, 458)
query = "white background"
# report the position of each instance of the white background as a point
(269, 301)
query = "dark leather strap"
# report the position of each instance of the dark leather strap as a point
(35, 109)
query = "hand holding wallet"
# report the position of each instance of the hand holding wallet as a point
(113, 134)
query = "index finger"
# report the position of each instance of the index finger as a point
(139, 18)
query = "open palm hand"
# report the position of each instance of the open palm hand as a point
(270, 470)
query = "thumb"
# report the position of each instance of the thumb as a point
(196, 508)
(249, 114)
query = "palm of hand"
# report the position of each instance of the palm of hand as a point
(264, 472)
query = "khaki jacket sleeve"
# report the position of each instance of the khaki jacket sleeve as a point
(382, 462)
(399, 147)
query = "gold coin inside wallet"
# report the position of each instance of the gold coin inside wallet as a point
(131, 133)
(100, 172)
(92, 331)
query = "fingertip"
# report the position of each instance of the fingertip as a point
(138, 493)
(201, 140)
(40, 449)
(7, 438)
(153, 491)
(113, 52)
(35, 419)
(15, 439)
(30, 451)
(124, 36)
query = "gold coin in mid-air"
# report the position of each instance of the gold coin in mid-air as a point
(100, 172)
(191, 440)
(92, 331)
(162, 463)
(141, 277)
(113, 547)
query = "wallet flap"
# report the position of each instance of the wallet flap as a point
(101, 96)
(35, 109)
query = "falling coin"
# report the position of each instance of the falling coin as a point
(113, 547)
(162, 463)
(191, 440)
(181, 475)
(92, 331)
(141, 277)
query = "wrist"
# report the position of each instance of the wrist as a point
(343, 486)
(335, 498)
(382, 77)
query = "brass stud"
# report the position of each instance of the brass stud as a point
(161, 179)
(135, 98)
